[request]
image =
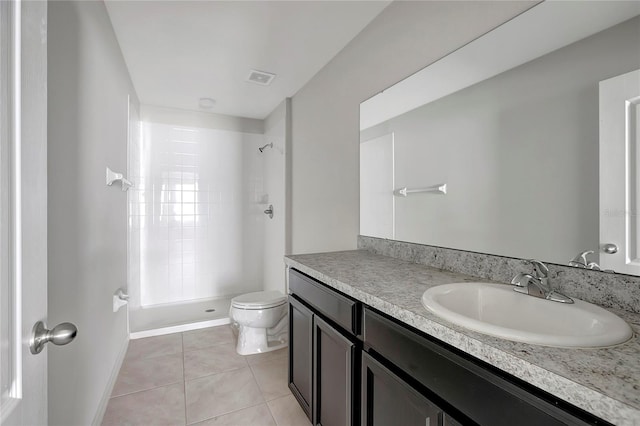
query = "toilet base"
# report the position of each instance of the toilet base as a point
(255, 341)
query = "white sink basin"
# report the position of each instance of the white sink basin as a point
(497, 310)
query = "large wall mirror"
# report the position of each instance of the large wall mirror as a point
(523, 143)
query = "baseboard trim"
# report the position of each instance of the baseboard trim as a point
(178, 328)
(104, 401)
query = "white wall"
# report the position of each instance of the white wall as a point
(275, 126)
(251, 276)
(206, 120)
(134, 157)
(405, 37)
(88, 85)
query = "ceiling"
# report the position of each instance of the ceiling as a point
(180, 51)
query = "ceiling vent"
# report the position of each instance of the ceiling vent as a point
(260, 77)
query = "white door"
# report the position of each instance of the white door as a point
(377, 181)
(23, 210)
(620, 173)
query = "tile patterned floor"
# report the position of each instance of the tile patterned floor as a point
(197, 378)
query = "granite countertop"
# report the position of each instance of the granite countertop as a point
(604, 382)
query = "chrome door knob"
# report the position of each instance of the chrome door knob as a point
(61, 334)
(610, 248)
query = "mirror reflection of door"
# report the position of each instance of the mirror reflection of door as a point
(619, 173)
(377, 204)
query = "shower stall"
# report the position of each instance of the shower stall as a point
(198, 235)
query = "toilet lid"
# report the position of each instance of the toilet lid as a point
(259, 300)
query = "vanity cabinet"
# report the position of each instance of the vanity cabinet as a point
(471, 393)
(352, 365)
(324, 352)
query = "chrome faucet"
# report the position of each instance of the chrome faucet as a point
(580, 261)
(537, 285)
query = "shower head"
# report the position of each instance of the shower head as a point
(270, 145)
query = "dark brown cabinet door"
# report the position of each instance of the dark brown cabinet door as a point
(388, 400)
(333, 368)
(447, 420)
(300, 353)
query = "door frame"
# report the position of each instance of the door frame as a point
(28, 208)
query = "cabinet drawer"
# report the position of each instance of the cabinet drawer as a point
(338, 308)
(475, 391)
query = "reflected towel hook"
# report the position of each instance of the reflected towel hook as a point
(440, 188)
(113, 177)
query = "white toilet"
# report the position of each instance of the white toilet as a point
(260, 321)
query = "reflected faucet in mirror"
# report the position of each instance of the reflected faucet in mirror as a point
(580, 261)
(537, 284)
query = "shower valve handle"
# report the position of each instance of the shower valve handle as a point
(269, 211)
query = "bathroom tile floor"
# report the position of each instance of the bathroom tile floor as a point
(196, 377)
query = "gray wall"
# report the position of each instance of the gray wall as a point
(404, 38)
(88, 85)
(519, 153)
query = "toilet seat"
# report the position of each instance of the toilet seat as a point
(259, 300)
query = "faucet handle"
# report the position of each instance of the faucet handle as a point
(540, 270)
(581, 259)
(521, 280)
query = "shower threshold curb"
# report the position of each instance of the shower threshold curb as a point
(178, 328)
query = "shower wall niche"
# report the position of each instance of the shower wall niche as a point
(196, 221)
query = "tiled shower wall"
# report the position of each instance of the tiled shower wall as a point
(196, 221)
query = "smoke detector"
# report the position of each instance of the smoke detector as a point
(260, 77)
